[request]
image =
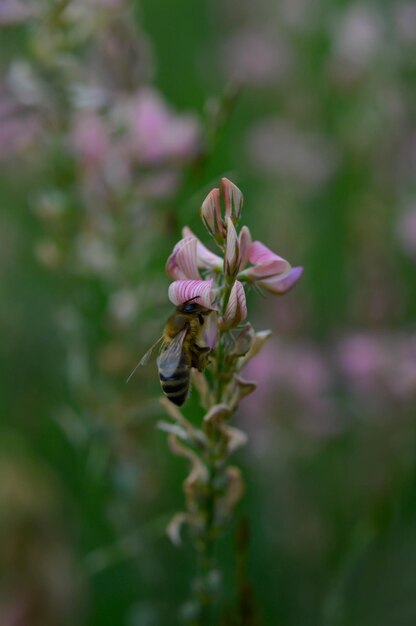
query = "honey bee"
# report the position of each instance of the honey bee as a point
(181, 350)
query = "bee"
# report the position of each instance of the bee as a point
(181, 350)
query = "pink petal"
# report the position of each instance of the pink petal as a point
(233, 199)
(181, 291)
(245, 243)
(266, 262)
(280, 285)
(205, 258)
(211, 331)
(186, 259)
(182, 263)
(236, 310)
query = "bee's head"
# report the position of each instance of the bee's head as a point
(191, 308)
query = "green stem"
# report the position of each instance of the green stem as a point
(206, 583)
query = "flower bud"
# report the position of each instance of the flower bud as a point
(243, 388)
(211, 216)
(217, 415)
(243, 341)
(173, 529)
(258, 342)
(245, 243)
(232, 251)
(236, 310)
(233, 199)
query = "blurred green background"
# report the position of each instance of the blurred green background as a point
(116, 119)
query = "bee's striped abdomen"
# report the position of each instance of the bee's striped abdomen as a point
(176, 387)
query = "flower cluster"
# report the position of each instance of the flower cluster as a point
(209, 278)
(218, 282)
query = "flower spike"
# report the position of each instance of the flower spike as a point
(217, 345)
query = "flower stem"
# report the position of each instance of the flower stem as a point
(208, 576)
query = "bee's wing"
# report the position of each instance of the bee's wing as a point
(146, 357)
(169, 359)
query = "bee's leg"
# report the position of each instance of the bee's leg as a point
(200, 357)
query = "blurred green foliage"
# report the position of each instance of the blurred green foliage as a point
(323, 147)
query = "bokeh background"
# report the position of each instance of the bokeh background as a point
(116, 118)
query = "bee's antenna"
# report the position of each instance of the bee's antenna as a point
(190, 300)
(131, 373)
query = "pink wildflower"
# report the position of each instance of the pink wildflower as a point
(205, 258)
(182, 263)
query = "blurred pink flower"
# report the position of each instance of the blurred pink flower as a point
(406, 21)
(15, 11)
(156, 134)
(111, 3)
(402, 374)
(362, 359)
(276, 147)
(293, 376)
(383, 366)
(159, 183)
(357, 36)
(256, 58)
(90, 140)
(20, 126)
(406, 231)
(300, 369)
